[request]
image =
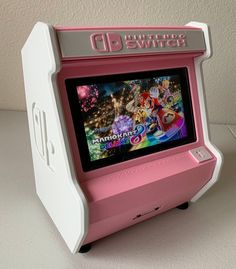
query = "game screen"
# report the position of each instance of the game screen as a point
(126, 116)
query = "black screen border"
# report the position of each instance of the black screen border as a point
(87, 164)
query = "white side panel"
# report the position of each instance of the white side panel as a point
(201, 92)
(56, 183)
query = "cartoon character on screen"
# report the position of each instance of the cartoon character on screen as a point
(133, 105)
(141, 108)
(166, 117)
(165, 96)
(149, 103)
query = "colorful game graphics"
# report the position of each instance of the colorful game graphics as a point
(88, 96)
(124, 116)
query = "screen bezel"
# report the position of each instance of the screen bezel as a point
(78, 123)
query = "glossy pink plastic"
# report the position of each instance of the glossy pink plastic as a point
(146, 186)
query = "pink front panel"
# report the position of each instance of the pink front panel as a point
(128, 179)
(118, 193)
(116, 212)
(108, 66)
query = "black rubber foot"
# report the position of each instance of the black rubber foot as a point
(183, 206)
(85, 248)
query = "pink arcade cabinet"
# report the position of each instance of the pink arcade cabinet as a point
(118, 124)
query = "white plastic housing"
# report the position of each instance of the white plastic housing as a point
(56, 184)
(55, 177)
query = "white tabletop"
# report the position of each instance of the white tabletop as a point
(203, 236)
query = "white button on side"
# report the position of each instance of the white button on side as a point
(200, 154)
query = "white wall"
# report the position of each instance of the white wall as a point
(17, 18)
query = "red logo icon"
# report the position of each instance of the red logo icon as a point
(106, 42)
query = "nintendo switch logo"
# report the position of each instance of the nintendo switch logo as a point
(108, 42)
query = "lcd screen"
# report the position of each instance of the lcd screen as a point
(126, 116)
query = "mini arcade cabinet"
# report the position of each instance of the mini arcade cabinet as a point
(118, 124)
